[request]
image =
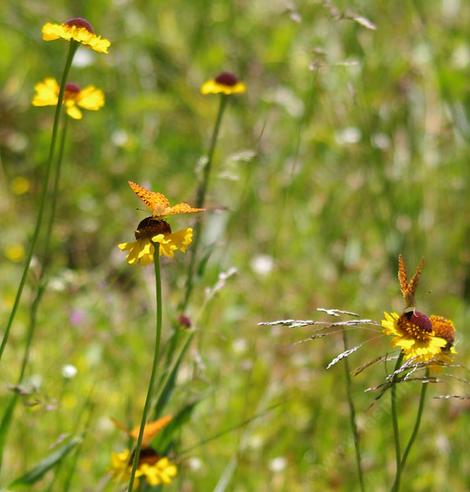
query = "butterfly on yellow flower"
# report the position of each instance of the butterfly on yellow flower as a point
(159, 204)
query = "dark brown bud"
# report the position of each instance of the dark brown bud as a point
(227, 78)
(184, 321)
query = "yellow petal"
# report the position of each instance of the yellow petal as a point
(73, 111)
(91, 98)
(47, 93)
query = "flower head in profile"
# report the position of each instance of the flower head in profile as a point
(155, 229)
(418, 336)
(152, 468)
(225, 83)
(76, 29)
(75, 98)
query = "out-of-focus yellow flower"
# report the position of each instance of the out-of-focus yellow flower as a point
(14, 252)
(225, 83)
(20, 185)
(152, 468)
(77, 29)
(47, 94)
(415, 334)
(154, 229)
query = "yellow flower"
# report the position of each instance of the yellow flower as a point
(47, 94)
(225, 83)
(20, 185)
(142, 250)
(14, 253)
(416, 335)
(77, 29)
(155, 229)
(155, 470)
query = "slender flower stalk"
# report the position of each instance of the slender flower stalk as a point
(396, 430)
(153, 374)
(352, 415)
(200, 201)
(416, 427)
(54, 195)
(43, 198)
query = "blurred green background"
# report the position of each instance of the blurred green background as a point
(350, 146)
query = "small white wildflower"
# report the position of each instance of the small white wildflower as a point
(348, 135)
(69, 371)
(195, 463)
(239, 345)
(262, 264)
(278, 464)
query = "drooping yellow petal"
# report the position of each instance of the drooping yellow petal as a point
(213, 87)
(52, 31)
(72, 110)
(176, 241)
(90, 98)
(47, 93)
(140, 251)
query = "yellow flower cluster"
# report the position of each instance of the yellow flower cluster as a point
(76, 29)
(225, 83)
(418, 341)
(153, 469)
(47, 94)
(142, 250)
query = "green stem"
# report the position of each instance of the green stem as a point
(41, 287)
(54, 194)
(416, 426)
(153, 375)
(396, 431)
(42, 201)
(200, 202)
(352, 415)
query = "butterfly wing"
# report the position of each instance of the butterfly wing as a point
(156, 202)
(183, 208)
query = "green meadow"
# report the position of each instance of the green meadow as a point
(349, 147)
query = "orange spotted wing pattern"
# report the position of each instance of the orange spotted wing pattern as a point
(408, 289)
(159, 204)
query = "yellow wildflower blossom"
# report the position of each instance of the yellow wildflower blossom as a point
(152, 468)
(47, 94)
(225, 83)
(415, 334)
(20, 185)
(155, 229)
(14, 252)
(77, 29)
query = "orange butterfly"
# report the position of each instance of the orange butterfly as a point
(151, 429)
(159, 204)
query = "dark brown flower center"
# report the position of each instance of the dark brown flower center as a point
(71, 87)
(227, 78)
(147, 455)
(150, 227)
(80, 22)
(415, 324)
(71, 91)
